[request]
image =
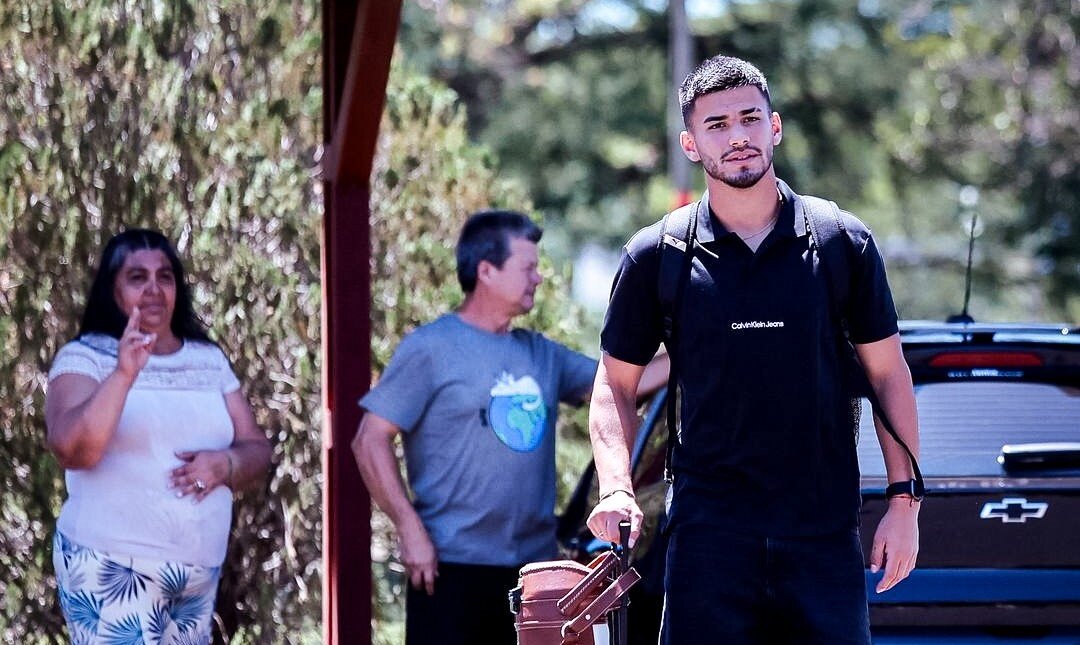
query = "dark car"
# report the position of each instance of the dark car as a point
(999, 415)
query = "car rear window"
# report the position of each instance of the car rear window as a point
(963, 425)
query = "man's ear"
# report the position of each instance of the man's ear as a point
(689, 147)
(484, 272)
(777, 129)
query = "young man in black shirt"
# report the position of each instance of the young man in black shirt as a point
(764, 544)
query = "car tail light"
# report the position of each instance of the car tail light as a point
(986, 359)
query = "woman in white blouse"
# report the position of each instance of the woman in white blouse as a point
(148, 420)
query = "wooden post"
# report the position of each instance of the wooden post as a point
(358, 41)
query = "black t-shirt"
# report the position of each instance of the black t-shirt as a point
(767, 446)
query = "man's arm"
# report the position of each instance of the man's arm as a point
(896, 541)
(612, 425)
(373, 447)
(655, 375)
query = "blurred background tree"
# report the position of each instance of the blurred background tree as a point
(913, 115)
(204, 120)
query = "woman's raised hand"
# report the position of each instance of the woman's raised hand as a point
(135, 347)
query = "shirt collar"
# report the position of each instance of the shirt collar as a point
(709, 228)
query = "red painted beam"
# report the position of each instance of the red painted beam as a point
(347, 584)
(358, 42)
(363, 92)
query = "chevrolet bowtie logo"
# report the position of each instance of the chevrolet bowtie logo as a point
(1014, 509)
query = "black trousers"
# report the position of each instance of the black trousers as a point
(470, 606)
(741, 590)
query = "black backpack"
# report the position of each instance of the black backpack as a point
(831, 246)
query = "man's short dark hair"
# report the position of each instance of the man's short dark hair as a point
(717, 74)
(486, 236)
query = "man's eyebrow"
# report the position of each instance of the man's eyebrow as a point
(723, 117)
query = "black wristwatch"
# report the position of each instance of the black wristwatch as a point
(912, 487)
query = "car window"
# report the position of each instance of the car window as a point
(963, 425)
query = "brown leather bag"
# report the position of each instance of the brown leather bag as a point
(558, 602)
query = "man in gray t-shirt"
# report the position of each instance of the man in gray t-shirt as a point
(477, 409)
(475, 402)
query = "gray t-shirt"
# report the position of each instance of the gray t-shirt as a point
(477, 411)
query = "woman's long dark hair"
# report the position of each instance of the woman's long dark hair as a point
(102, 314)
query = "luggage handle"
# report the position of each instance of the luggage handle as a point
(601, 566)
(603, 603)
(515, 599)
(617, 618)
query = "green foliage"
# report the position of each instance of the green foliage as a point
(891, 109)
(994, 106)
(582, 133)
(576, 125)
(201, 120)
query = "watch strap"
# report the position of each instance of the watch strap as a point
(912, 487)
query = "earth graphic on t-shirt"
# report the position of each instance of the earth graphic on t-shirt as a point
(517, 412)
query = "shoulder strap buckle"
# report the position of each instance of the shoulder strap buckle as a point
(671, 240)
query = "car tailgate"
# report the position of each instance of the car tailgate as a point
(993, 523)
(997, 551)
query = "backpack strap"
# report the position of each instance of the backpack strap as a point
(832, 247)
(676, 261)
(830, 240)
(678, 233)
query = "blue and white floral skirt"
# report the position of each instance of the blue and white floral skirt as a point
(117, 600)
